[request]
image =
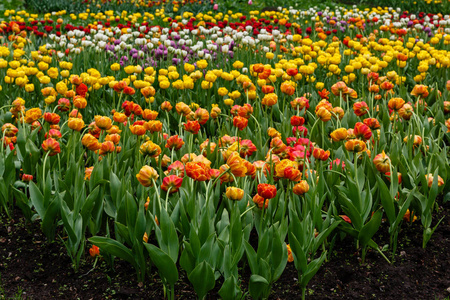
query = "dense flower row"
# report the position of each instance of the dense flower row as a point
(190, 132)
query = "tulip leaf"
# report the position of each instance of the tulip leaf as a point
(113, 247)
(258, 286)
(202, 278)
(37, 199)
(386, 200)
(49, 220)
(230, 289)
(312, 269)
(370, 228)
(166, 266)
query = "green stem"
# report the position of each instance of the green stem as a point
(43, 168)
(167, 196)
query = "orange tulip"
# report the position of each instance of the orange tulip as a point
(197, 171)
(146, 176)
(382, 162)
(234, 193)
(301, 188)
(267, 191)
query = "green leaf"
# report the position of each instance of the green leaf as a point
(324, 234)
(169, 237)
(166, 266)
(113, 247)
(386, 200)
(251, 257)
(202, 278)
(370, 228)
(258, 286)
(49, 220)
(313, 267)
(23, 203)
(402, 211)
(230, 289)
(37, 199)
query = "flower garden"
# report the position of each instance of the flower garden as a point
(225, 149)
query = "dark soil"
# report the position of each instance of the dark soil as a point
(32, 268)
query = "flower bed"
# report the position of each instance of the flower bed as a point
(197, 144)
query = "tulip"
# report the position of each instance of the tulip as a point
(234, 193)
(9, 130)
(107, 147)
(53, 133)
(382, 162)
(174, 142)
(287, 88)
(215, 111)
(420, 91)
(197, 171)
(355, 145)
(321, 154)
(150, 149)
(430, 180)
(407, 216)
(33, 115)
(27, 178)
(103, 123)
(52, 118)
(269, 99)
(94, 251)
(282, 165)
(137, 130)
(75, 124)
(147, 175)
(182, 108)
(201, 115)
(148, 114)
(301, 188)
(339, 88)
(90, 142)
(290, 256)
(360, 108)
(346, 219)
(339, 134)
(416, 142)
(87, 173)
(240, 122)
(396, 103)
(399, 176)
(300, 103)
(79, 102)
(372, 123)
(247, 148)
(260, 201)
(277, 145)
(292, 174)
(338, 112)
(166, 106)
(51, 146)
(267, 89)
(171, 182)
(153, 126)
(406, 111)
(297, 121)
(323, 114)
(337, 162)
(267, 191)
(236, 165)
(177, 168)
(192, 126)
(362, 131)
